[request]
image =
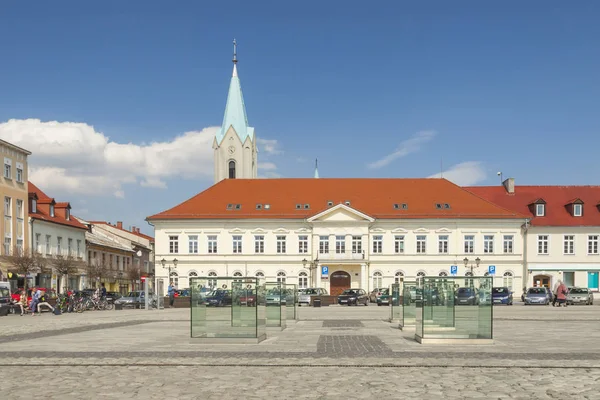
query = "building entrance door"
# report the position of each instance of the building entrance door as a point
(593, 281)
(541, 280)
(338, 282)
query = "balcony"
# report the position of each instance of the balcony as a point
(345, 255)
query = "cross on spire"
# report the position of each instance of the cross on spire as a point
(235, 52)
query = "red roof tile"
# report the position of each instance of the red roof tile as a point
(557, 199)
(42, 215)
(374, 197)
(150, 238)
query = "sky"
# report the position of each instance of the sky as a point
(119, 101)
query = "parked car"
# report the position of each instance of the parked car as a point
(466, 296)
(112, 296)
(375, 293)
(218, 297)
(579, 295)
(537, 295)
(306, 294)
(387, 298)
(502, 295)
(133, 299)
(275, 298)
(353, 297)
(5, 298)
(248, 298)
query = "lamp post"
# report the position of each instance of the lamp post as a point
(477, 262)
(163, 262)
(313, 265)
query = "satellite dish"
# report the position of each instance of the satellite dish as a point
(139, 253)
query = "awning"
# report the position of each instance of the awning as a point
(564, 267)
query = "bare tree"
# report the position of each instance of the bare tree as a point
(24, 262)
(96, 270)
(135, 274)
(64, 266)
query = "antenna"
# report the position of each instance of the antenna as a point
(500, 175)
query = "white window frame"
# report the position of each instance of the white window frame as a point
(569, 245)
(303, 244)
(212, 244)
(7, 245)
(593, 244)
(52, 211)
(38, 245)
(33, 205)
(508, 244)
(421, 244)
(377, 244)
(59, 246)
(7, 206)
(377, 280)
(399, 244)
(19, 175)
(469, 244)
(281, 277)
(237, 244)
(193, 244)
(281, 244)
(69, 246)
(398, 277)
(173, 244)
(488, 244)
(540, 210)
(340, 244)
(7, 169)
(443, 241)
(302, 280)
(323, 244)
(577, 210)
(508, 280)
(78, 248)
(48, 244)
(259, 244)
(212, 282)
(543, 244)
(357, 244)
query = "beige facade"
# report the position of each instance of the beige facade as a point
(234, 159)
(14, 193)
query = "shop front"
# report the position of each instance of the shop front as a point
(580, 275)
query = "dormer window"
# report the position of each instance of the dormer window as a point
(259, 206)
(67, 214)
(438, 206)
(404, 206)
(52, 210)
(329, 203)
(540, 210)
(298, 206)
(347, 202)
(577, 210)
(396, 206)
(33, 205)
(307, 206)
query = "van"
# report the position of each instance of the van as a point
(5, 298)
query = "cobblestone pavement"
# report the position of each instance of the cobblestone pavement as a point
(328, 353)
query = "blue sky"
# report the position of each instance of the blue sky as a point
(373, 89)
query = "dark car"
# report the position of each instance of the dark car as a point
(353, 297)
(466, 296)
(247, 297)
(218, 297)
(112, 296)
(502, 295)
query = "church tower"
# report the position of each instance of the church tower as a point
(235, 143)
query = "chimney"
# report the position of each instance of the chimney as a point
(133, 229)
(137, 230)
(509, 185)
(120, 224)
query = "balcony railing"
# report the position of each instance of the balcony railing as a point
(342, 255)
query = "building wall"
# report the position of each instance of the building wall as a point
(361, 267)
(146, 259)
(13, 227)
(117, 264)
(244, 155)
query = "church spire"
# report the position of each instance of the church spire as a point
(316, 168)
(235, 110)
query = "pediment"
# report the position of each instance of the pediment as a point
(237, 230)
(302, 230)
(421, 230)
(259, 230)
(377, 230)
(341, 213)
(443, 230)
(399, 230)
(281, 230)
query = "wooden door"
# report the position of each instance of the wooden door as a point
(541, 280)
(338, 282)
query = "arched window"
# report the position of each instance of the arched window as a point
(193, 274)
(260, 274)
(175, 278)
(443, 273)
(507, 280)
(231, 169)
(420, 276)
(302, 280)
(237, 274)
(377, 279)
(469, 273)
(398, 277)
(281, 277)
(212, 282)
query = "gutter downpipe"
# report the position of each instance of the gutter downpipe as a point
(155, 277)
(525, 265)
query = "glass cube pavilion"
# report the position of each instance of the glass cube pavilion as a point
(276, 300)
(408, 306)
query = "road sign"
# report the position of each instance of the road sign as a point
(454, 269)
(324, 270)
(492, 269)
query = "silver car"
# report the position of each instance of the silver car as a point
(578, 295)
(305, 294)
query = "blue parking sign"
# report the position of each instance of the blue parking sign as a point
(492, 269)
(454, 269)
(324, 270)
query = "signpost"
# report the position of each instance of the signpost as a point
(453, 269)
(324, 272)
(492, 270)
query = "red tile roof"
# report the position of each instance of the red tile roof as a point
(139, 234)
(557, 199)
(374, 197)
(43, 216)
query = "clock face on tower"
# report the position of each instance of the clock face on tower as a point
(231, 149)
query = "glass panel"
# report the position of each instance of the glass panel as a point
(275, 301)
(396, 311)
(418, 318)
(409, 303)
(291, 298)
(455, 308)
(230, 309)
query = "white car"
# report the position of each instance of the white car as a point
(305, 295)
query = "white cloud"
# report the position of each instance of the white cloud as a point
(267, 166)
(406, 147)
(464, 174)
(269, 146)
(75, 158)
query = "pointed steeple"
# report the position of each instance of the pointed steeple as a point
(316, 168)
(235, 110)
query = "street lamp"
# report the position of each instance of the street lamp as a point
(163, 262)
(313, 265)
(477, 262)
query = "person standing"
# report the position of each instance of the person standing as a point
(103, 291)
(561, 294)
(34, 300)
(555, 292)
(171, 293)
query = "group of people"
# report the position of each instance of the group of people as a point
(560, 292)
(38, 299)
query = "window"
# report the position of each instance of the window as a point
(237, 244)
(7, 169)
(231, 169)
(259, 274)
(33, 205)
(399, 244)
(340, 244)
(175, 278)
(488, 244)
(281, 244)
(7, 207)
(69, 246)
(508, 244)
(59, 246)
(507, 280)
(259, 244)
(469, 243)
(237, 274)
(20, 209)
(193, 274)
(52, 210)
(324, 244)
(281, 277)
(443, 244)
(398, 277)
(38, 244)
(78, 248)
(443, 273)
(356, 244)
(577, 210)
(302, 280)
(540, 210)
(377, 244)
(67, 214)
(19, 246)
(542, 244)
(569, 244)
(421, 244)
(48, 248)
(19, 174)
(193, 244)
(7, 245)
(303, 244)
(420, 276)
(377, 280)
(593, 244)
(174, 244)
(212, 282)
(212, 244)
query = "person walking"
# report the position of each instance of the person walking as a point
(171, 293)
(555, 292)
(561, 294)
